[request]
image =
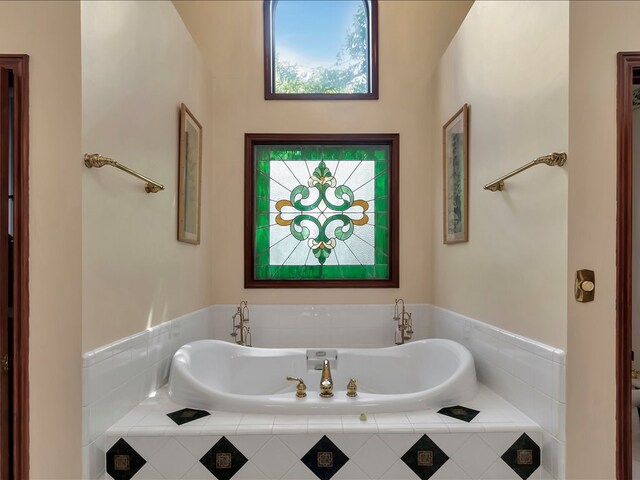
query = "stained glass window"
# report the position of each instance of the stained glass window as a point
(323, 211)
(317, 49)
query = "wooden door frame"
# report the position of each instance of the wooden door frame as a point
(19, 64)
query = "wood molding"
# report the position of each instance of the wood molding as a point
(628, 63)
(390, 139)
(19, 64)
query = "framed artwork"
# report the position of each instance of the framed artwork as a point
(190, 165)
(321, 210)
(455, 147)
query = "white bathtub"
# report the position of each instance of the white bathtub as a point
(216, 375)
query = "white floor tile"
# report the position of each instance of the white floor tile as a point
(300, 444)
(500, 471)
(349, 443)
(274, 459)
(399, 471)
(147, 446)
(450, 443)
(375, 457)
(350, 471)
(198, 445)
(173, 460)
(451, 471)
(399, 443)
(198, 472)
(147, 472)
(300, 472)
(500, 441)
(474, 457)
(249, 472)
(249, 444)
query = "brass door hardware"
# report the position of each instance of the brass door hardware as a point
(585, 286)
(301, 388)
(4, 363)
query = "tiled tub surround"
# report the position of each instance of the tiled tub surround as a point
(527, 374)
(282, 446)
(118, 376)
(321, 325)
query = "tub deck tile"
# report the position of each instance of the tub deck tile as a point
(374, 443)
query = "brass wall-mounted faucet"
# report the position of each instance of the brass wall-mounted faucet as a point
(326, 382)
(405, 325)
(239, 329)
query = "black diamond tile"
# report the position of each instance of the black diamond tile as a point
(523, 456)
(461, 413)
(187, 415)
(123, 462)
(223, 460)
(324, 459)
(425, 458)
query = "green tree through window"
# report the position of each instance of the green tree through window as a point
(321, 48)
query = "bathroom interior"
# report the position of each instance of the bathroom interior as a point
(113, 294)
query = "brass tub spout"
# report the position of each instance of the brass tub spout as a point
(326, 382)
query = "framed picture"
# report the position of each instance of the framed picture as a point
(455, 146)
(189, 177)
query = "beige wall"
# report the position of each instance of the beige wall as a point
(50, 33)
(509, 62)
(412, 38)
(598, 31)
(139, 63)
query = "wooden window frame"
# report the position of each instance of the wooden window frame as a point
(269, 70)
(253, 139)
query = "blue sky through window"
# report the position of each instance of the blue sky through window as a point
(310, 33)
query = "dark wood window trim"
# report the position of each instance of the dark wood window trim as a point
(19, 64)
(253, 139)
(269, 71)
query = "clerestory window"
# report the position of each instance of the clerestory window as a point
(321, 49)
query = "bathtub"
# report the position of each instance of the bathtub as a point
(217, 375)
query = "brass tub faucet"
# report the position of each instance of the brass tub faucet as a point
(352, 388)
(326, 382)
(301, 388)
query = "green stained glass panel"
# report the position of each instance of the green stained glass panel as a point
(321, 212)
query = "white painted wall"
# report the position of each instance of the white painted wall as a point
(139, 63)
(510, 62)
(413, 35)
(49, 32)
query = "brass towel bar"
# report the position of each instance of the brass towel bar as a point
(97, 160)
(553, 159)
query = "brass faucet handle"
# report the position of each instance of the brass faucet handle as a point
(301, 388)
(352, 388)
(634, 373)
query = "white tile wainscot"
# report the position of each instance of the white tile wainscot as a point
(275, 446)
(528, 374)
(321, 325)
(118, 376)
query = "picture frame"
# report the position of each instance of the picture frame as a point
(455, 150)
(189, 177)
